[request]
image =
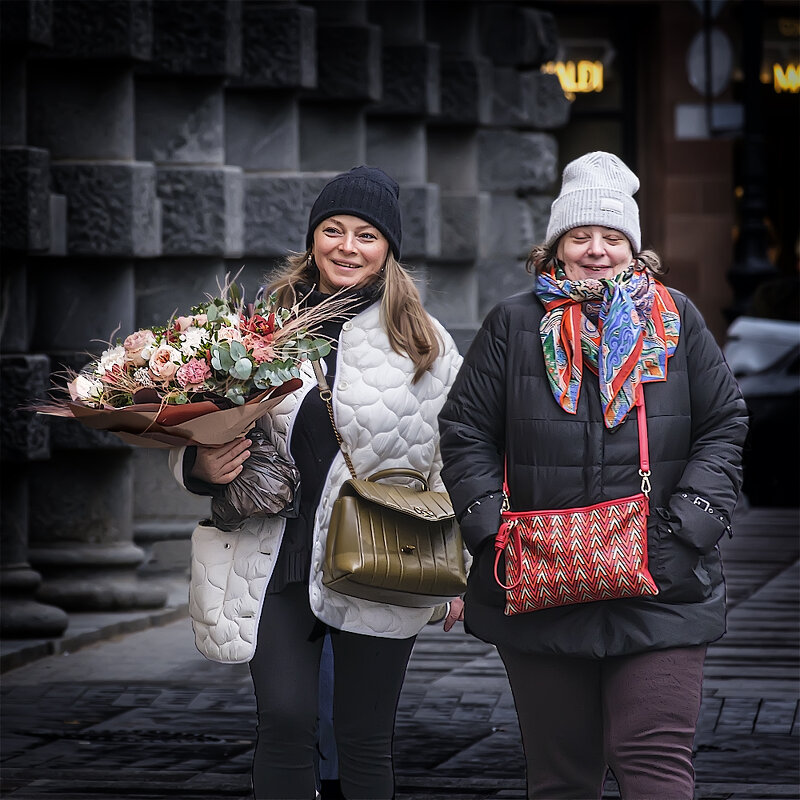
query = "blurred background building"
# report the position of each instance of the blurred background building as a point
(150, 147)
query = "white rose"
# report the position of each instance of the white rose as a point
(84, 389)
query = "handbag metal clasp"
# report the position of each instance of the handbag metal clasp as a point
(645, 482)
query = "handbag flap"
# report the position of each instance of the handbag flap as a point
(427, 506)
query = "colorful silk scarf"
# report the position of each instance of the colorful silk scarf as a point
(625, 329)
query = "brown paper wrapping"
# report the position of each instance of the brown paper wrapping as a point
(154, 425)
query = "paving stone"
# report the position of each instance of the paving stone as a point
(143, 715)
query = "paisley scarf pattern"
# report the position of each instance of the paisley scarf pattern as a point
(624, 329)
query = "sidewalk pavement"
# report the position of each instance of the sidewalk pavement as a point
(124, 706)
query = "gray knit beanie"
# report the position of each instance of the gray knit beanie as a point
(365, 192)
(596, 189)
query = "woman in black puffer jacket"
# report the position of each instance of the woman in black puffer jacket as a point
(549, 384)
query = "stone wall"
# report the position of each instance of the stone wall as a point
(149, 147)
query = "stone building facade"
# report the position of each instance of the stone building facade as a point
(150, 147)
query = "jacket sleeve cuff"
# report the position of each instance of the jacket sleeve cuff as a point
(192, 484)
(481, 521)
(696, 522)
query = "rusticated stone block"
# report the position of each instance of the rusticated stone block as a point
(197, 37)
(421, 214)
(26, 22)
(58, 225)
(13, 102)
(507, 106)
(172, 286)
(400, 147)
(112, 208)
(453, 158)
(15, 333)
(546, 106)
(276, 211)
(464, 222)
(466, 91)
(156, 504)
(349, 62)
(261, 131)
(179, 121)
(23, 432)
(402, 22)
(69, 434)
(79, 112)
(510, 229)
(516, 223)
(495, 284)
(69, 518)
(201, 210)
(279, 46)
(24, 198)
(100, 308)
(411, 85)
(454, 25)
(510, 160)
(529, 99)
(516, 36)
(331, 138)
(455, 297)
(111, 29)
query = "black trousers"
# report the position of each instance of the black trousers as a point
(368, 677)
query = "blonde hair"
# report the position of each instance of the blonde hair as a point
(543, 257)
(409, 327)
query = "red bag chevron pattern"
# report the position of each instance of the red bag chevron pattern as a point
(579, 555)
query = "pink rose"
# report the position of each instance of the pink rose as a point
(164, 363)
(230, 334)
(182, 323)
(200, 320)
(135, 343)
(193, 373)
(262, 351)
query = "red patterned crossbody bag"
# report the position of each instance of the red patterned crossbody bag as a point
(577, 555)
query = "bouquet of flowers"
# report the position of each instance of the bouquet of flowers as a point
(203, 378)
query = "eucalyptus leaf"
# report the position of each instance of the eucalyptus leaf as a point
(235, 396)
(242, 369)
(238, 350)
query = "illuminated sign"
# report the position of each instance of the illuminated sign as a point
(580, 77)
(786, 79)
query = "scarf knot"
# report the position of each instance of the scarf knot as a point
(624, 328)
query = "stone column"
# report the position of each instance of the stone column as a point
(25, 438)
(80, 110)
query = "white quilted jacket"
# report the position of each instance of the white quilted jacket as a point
(385, 421)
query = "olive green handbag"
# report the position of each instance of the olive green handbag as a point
(391, 543)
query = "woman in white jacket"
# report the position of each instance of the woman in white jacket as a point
(257, 593)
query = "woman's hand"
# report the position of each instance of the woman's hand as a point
(221, 464)
(455, 613)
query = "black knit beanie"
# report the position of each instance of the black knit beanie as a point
(365, 192)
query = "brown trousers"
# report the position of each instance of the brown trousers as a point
(633, 714)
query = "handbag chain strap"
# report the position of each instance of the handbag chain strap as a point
(326, 394)
(644, 454)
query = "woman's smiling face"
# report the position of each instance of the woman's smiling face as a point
(592, 251)
(348, 251)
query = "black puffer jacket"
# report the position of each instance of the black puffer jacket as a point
(697, 421)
